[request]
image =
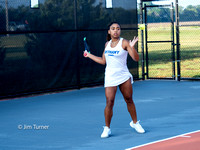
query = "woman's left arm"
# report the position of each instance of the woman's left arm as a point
(129, 46)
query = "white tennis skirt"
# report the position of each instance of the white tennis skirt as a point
(116, 76)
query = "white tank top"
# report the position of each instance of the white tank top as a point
(116, 71)
(116, 57)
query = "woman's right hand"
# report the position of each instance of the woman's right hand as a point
(85, 53)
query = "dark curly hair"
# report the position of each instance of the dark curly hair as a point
(108, 38)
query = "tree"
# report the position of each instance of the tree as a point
(189, 13)
(198, 11)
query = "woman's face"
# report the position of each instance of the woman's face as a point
(114, 31)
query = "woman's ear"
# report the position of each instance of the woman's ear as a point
(108, 31)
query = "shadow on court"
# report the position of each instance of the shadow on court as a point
(73, 120)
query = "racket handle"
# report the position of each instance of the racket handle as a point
(85, 53)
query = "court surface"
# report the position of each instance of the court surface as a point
(74, 120)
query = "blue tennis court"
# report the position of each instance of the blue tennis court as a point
(73, 120)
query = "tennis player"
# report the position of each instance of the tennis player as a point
(117, 74)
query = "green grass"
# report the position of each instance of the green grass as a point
(160, 56)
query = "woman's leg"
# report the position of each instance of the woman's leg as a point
(110, 98)
(127, 92)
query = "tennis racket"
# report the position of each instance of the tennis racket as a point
(87, 49)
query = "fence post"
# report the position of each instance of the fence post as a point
(142, 39)
(177, 43)
(77, 46)
(146, 42)
(173, 41)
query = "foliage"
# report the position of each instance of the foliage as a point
(190, 13)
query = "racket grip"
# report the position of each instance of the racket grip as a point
(85, 54)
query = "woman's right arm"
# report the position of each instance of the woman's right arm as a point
(100, 60)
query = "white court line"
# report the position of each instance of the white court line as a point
(182, 135)
(186, 136)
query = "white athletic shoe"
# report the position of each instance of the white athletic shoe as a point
(106, 132)
(137, 127)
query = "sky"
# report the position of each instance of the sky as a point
(185, 3)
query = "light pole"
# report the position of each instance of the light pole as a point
(7, 22)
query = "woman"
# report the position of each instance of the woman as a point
(117, 74)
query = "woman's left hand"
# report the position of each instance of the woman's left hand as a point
(132, 43)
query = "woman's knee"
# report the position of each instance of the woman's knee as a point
(128, 99)
(109, 103)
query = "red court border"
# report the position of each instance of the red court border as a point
(186, 141)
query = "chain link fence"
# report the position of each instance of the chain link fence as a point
(160, 56)
(41, 49)
(190, 40)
